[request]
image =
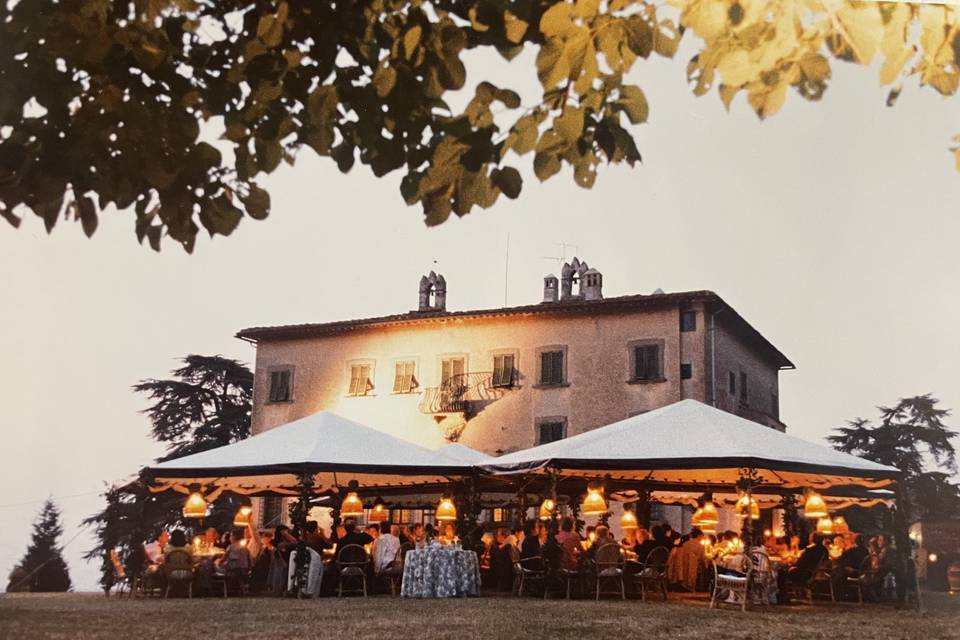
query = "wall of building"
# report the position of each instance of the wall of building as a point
(598, 372)
(734, 355)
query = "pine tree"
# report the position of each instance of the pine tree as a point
(205, 404)
(43, 568)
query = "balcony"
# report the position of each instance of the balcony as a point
(463, 393)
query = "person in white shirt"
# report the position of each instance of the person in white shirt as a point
(385, 549)
(154, 550)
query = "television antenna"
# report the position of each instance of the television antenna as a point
(563, 246)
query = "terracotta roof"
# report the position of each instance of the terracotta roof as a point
(568, 307)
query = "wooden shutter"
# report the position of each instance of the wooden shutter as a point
(508, 369)
(551, 367)
(398, 374)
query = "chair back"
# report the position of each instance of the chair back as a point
(760, 561)
(177, 559)
(352, 555)
(514, 553)
(608, 555)
(866, 568)
(404, 549)
(533, 564)
(657, 559)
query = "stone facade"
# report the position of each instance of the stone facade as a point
(597, 338)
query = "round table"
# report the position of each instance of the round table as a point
(440, 572)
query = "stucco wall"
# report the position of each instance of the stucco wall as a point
(733, 355)
(598, 373)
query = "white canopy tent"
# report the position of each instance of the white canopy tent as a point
(690, 443)
(464, 454)
(331, 448)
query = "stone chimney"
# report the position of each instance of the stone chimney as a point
(551, 289)
(572, 273)
(591, 285)
(433, 293)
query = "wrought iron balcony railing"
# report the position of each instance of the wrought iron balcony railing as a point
(457, 393)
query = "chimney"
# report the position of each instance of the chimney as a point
(566, 282)
(440, 294)
(591, 285)
(551, 289)
(433, 293)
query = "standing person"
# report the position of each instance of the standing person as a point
(690, 556)
(501, 561)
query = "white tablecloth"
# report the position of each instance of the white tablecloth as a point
(440, 572)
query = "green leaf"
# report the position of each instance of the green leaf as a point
(546, 164)
(508, 180)
(257, 202)
(220, 216)
(269, 154)
(570, 124)
(88, 215)
(634, 103)
(639, 36)
(411, 39)
(556, 20)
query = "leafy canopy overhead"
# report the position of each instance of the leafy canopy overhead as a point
(111, 102)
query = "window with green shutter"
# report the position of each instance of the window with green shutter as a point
(646, 362)
(551, 367)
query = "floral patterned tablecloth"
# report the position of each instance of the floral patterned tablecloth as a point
(440, 572)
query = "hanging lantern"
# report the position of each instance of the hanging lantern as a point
(748, 506)
(754, 509)
(594, 504)
(195, 506)
(709, 516)
(695, 518)
(379, 513)
(815, 507)
(628, 520)
(446, 510)
(546, 509)
(352, 506)
(825, 526)
(242, 517)
(840, 525)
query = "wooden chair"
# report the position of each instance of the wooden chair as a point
(352, 564)
(178, 570)
(761, 577)
(822, 576)
(653, 573)
(862, 580)
(530, 569)
(731, 584)
(609, 562)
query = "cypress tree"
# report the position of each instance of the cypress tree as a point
(43, 568)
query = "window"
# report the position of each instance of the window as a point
(551, 430)
(280, 385)
(451, 368)
(732, 384)
(360, 384)
(686, 371)
(271, 512)
(744, 398)
(504, 370)
(646, 362)
(688, 321)
(404, 379)
(551, 367)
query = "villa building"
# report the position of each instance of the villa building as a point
(498, 380)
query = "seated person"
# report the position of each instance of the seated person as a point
(849, 563)
(690, 556)
(177, 557)
(570, 543)
(501, 560)
(530, 547)
(236, 560)
(316, 538)
(350, 535)
(808, 562)
(154, 550)
(385, 549)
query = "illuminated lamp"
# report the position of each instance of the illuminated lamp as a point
(628, 520)
(814, 506)
(242, 517)
(352, 506)
(546, 509)
(446, 510)
(709, 516)
(379, 513)
(593, 503)
(825, 526)
(195, 506)
(840, 525)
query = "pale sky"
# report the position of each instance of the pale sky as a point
(833, 228)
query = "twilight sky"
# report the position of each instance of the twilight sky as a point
(833, 228)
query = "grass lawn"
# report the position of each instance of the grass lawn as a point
(93, 616)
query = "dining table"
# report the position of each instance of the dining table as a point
(440, 571)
